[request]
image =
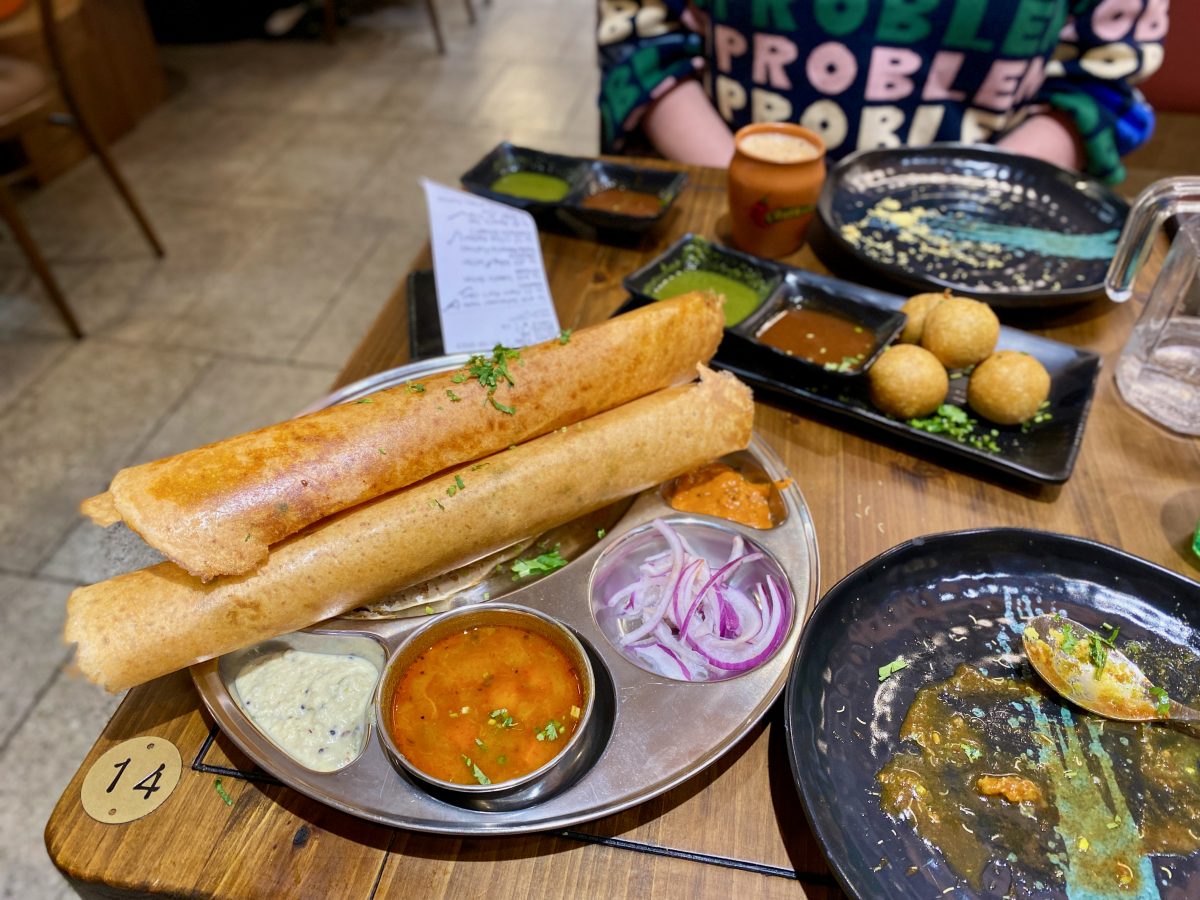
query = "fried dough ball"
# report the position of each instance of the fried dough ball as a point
(1008, 387)
(907, 381)
(960, 332)
(917, 307)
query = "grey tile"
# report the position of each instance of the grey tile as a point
(265, 304)
(234, 397)
(213, 153)
(534, 95)
(322, 165)
(91, 554)
(441, 153)
(24, 360)
(342, 327)
(31, 620)
(62, 440)
(227, 399)
(35, 767)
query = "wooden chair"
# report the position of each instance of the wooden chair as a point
(27, 95)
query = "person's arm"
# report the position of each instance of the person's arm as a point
(1049, 136)
(1103, 51)
(683, 125)
(644, 51)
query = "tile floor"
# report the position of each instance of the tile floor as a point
(282, 179)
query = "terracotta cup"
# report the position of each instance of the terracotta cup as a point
(774, 181)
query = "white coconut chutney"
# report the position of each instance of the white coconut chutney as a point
(314, 706)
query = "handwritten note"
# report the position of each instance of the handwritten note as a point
(487, 263)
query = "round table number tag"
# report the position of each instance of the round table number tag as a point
(131, 780)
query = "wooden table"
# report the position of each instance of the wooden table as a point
(735, 830)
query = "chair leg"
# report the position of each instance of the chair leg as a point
(331, 22)
(437, 27)
(470, 11)
(11, 215)
(97, 146)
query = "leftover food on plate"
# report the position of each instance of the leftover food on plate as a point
(998, 769)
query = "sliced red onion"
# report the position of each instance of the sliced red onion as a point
(687, 621)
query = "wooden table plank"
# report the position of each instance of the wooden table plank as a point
(1135, 486)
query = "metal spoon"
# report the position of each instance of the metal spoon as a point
(1117, 689)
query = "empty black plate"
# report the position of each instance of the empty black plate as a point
(1011, 230)
(960, 598)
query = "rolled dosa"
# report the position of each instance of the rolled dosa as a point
(216, 509)
(138, 626)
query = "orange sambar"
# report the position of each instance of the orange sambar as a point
(489, 704)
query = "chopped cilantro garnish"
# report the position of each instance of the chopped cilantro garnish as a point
(550, 732)
(459, 482)
(222, 792)
(1097, 652)
(886, 672)
(538, 565)
(458, 377)
(501, 719)
(1069, 638)
(504, 409)
(973, 753)
(600, 532)
(480, 744)
(416, 388)
(475, 770)
(382, 452)
(365, 400)
(954, 422)
(564, 336)
(453, 396)
(1162, 701)
(428, 610)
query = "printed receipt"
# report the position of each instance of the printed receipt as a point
(487, 263)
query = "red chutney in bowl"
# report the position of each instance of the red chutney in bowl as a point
(486, 705)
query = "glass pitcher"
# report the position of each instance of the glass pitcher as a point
(1158, 372)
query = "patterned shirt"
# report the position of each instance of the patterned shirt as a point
(881, 73)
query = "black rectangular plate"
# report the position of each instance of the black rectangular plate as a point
(1044, 455)
(584, 177)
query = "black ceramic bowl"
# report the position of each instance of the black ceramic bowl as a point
(943, 600)
(798, 293)
(602, 176)
(1016, 232)
(692, 253)
(507, 159)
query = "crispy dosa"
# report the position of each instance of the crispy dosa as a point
(216, 509)
(138, 626)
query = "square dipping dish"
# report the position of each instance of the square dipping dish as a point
(805, 332)
(693, 263)
(597, 194)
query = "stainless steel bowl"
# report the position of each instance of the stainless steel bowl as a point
(515, 793)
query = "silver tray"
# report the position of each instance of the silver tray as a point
(651, 734)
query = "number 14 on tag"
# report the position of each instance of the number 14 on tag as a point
(131, 780)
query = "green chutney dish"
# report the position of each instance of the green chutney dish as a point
(740, 298)
(532, 186)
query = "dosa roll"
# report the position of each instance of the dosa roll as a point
(216, 509)
(138, 626)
